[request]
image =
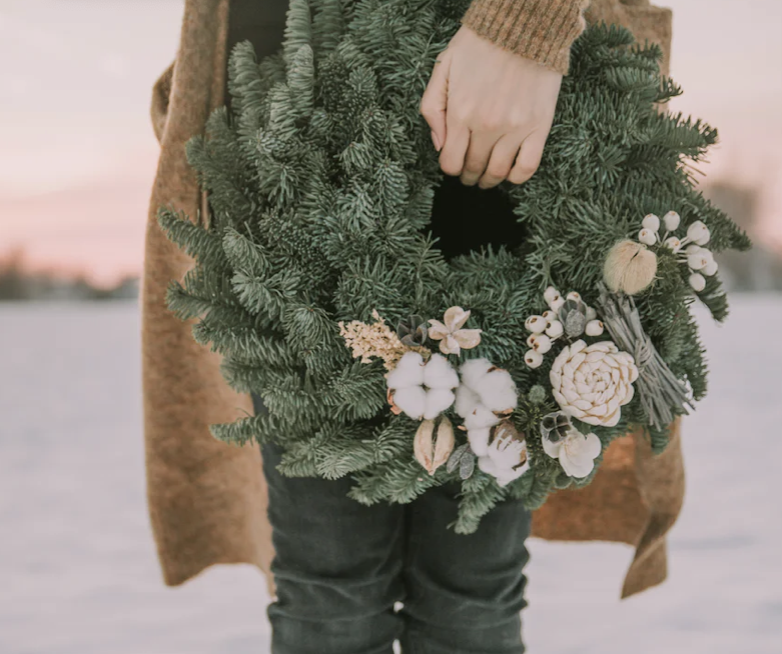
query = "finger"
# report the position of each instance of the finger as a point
(435, 100)
(529, 157)
(454, 148)
(503, 156)
(477, 158)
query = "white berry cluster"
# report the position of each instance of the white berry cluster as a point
(699, 259)
(567, 317)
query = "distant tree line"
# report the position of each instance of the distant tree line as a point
(18, 283)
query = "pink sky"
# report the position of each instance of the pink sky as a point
(78, 155)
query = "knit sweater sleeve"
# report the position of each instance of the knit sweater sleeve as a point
(541, 30)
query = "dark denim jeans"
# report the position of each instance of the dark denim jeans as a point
(340, 567)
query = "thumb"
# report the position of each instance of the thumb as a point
(435, 99)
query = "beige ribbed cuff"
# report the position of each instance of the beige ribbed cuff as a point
(541, 30)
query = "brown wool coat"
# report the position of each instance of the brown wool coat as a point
(207, 500)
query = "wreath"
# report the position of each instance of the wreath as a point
(507, 369)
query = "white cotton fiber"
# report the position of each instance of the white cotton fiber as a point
(438, 373)
(473, 370)
(408, 372)
(411, 400)
(479, 441)
(466, 401)
(480, 417)
(497, 391)
(437, 401)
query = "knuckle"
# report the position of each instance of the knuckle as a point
(450, 167)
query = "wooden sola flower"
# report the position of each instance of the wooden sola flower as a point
(593, 382)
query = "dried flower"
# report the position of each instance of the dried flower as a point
(506, 458)
(450, 333)
(422, 390)
(555, 426)
(373, 340)
(576, 452)
(485, 395)
(593, 382)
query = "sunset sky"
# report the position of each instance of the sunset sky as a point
(77, 154)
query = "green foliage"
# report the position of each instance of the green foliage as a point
(320, 188)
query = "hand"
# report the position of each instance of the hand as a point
(490, 111)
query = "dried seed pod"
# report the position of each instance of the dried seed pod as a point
(431, 450)
(533, 359)
(629, 267)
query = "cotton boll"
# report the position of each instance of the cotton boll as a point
(698, 282)
(473, 370)
(479, 441)
(497, 391)
(439, 373)
(480, 418)
(467, 400)
(672, 220)
(408, 372)
(506, 476)
(411, 400)
(437, 401)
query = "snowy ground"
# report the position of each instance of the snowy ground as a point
(78, 573)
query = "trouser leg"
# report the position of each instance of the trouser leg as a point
(464, 592)
(337, 567)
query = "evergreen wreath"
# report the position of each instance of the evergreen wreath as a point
(318, 279)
